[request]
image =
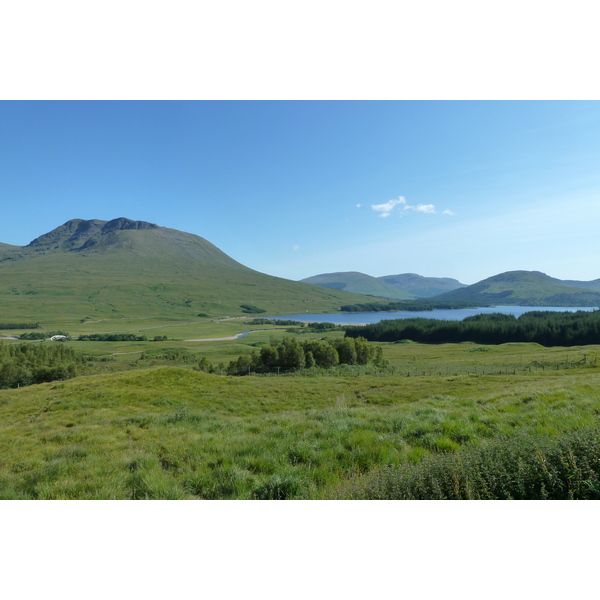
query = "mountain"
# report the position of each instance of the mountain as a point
(588, 285)
(422, 287)
(79, 234)
(6, 247)
(407, 286)
(527, 288)
(359, 283)
(94, 269)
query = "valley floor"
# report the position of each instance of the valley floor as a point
(159, 430)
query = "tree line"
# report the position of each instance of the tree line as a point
(276, 322)
(19, 325)
(308, 327)
(115, 337)
(547, 328)
(414, 305)
(41, 335)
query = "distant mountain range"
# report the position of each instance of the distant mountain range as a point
(422, 287)
(359, 283)
(406, 286)
(94, 269)
(528, 288)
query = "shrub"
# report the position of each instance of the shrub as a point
(523, 467)
(251, 309)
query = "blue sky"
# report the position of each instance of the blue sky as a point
(462, 189)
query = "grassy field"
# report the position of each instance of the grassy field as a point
(154, 429)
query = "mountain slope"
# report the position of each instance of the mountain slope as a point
(422, 287)
(132, 269)
(359, 283)
(6, 248)
(588, 285)
(527, 288)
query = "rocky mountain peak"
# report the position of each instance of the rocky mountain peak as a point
(78, 234)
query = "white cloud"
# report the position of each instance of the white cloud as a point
(449, 212)
(358, 206)
(296, 247)
(424, 208)
(387, 207)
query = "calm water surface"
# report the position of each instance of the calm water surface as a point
(456, 314)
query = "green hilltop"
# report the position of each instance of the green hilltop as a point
(359, 283)
(420, 286)
(588, 285)
(527, 288)
(125, 269)
(6, 248)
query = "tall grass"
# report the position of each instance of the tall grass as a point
(178, 433)
(523, 467)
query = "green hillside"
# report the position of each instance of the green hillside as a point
(359, 283)
(422, 287)
(123, 269)
(4, 248)
(527, 288)
(588, 285)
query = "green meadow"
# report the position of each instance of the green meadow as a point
(134, 425)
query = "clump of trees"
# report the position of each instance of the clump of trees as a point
(316, 327)
(325, 327)
(24, 364)
(289, 353)
(547, 328)
(113, 337)
(276, 322)
(41, 335)
(251, 309)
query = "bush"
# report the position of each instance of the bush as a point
(251, 309)
(523, 467)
